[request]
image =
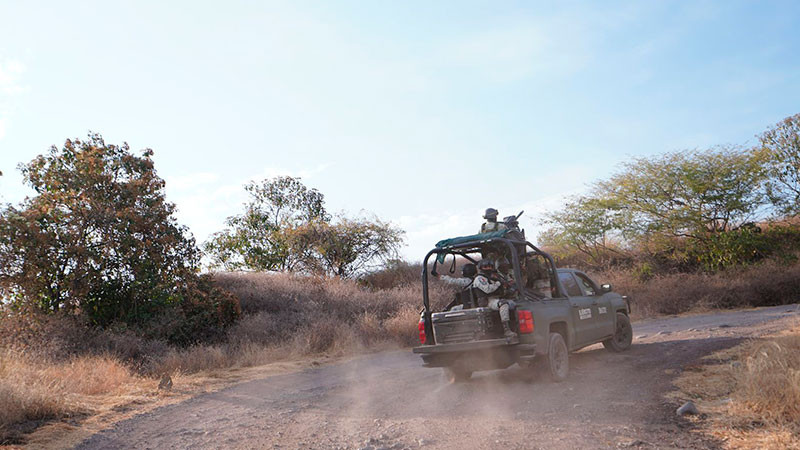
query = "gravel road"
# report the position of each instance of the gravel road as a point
(389, 401)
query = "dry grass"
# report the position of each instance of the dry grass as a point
(769, 283)
(34, 389)
(54, 367)
(751, 394)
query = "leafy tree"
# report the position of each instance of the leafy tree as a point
(586, 224)
(257, 239)
(687, 193)
(672, 208)
(285, 227)
(348, 247)
(100, 237)
(781, 147)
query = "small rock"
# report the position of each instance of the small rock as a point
(687, 408)
(736, 364)
(633, 443)
(641, 336)
(165, 383)
(423, 442)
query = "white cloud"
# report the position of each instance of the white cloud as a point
(191, 181)
(11, 71)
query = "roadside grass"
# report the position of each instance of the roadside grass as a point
(56, 367)
(750, 393)
(34, 390)
(765, 284)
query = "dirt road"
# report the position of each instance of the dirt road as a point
(389, 400)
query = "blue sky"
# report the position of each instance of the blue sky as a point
(424, 113)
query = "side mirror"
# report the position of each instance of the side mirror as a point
(606, 287)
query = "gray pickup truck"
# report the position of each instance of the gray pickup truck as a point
(554, 311)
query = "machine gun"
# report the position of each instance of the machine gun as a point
(512, 222)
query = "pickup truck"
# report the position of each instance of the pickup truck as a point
(554, 311)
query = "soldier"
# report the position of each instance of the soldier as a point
(468, 272)
(488, 284)
(491, 223)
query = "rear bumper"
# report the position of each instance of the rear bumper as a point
(464, 346)
(476, 355)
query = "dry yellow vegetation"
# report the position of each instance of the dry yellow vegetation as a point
(750, 394)
(33, 389)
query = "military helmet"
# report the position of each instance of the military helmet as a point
(469, 270)
(490, 214)
(486, 265)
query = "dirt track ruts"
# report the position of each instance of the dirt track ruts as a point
(388, 400)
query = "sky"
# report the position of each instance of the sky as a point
(421, 113)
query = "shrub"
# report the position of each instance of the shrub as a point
(768, 283)
(100, 239)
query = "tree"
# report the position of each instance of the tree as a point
(348, 247)
(781, 147)
(285, 227)
(258, 239)
(586, 224)
(100, 237)
(669, 208)
(686, 194)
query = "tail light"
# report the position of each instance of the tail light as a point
(525, 321)
(421, 328)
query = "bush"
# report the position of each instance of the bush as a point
(768, 283)
(99, 239)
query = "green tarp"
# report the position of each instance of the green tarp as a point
(461, 239)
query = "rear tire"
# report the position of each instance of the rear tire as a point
(456, 374)
(557, 357)
(623, 335)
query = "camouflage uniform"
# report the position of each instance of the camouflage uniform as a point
(489, 226)
(491, 223)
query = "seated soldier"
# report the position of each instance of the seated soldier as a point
(468, 272)
(489, 286)
(537, 279)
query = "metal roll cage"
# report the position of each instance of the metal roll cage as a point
(475, 246)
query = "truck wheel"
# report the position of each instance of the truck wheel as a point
(623, 335)
(456, 374)
(557, 357)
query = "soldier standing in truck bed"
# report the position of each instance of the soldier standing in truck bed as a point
(491, 223)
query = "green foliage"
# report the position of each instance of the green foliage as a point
(679, 211)
(285, 227)
(348, 247)
(98, 237)
(257, 239)
(781, 148)
(586, 224)
(727, 249)
(686, 193)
